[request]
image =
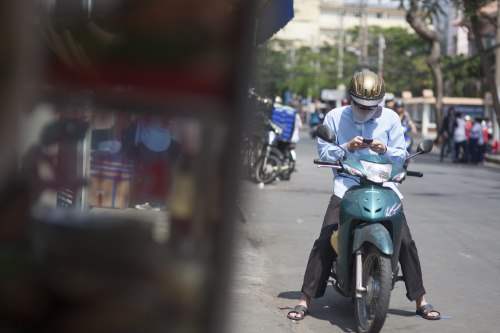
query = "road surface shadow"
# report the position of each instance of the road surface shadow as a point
(337, 310)
(402, 313)
(332, 307)
(289, 294)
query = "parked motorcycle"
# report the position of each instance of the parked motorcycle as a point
(368, 239)
(286, 153)
(269, 164)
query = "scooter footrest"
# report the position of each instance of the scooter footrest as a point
(400, 278)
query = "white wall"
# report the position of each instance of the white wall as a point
(315, 19)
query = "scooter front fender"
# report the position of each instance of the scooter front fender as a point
(375, 234)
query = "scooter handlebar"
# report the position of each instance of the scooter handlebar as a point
(326, 163)
(414, 174)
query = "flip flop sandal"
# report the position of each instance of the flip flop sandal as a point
(299, 310)
(426, 310)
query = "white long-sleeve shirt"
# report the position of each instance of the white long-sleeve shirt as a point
(459, 132)
(387, 128)
(476, 132)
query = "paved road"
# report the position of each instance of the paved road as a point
(454, 215)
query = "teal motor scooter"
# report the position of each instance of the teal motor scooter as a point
(368, 238)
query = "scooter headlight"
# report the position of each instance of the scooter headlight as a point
(353, 171)
(399, 177)
(377, 172)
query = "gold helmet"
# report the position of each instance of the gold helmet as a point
(367, 88)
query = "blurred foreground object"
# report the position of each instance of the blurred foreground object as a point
(75, 255)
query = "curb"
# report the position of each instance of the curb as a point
(492, 158)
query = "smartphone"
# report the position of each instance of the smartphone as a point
(367, 141)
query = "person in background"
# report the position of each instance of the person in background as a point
(296, 130)
(297, 124)
(460, 139)
(364, 118)
(290, 122)
(476, 142)
(488, 134)
(468, 126)
(315, 118)
(408, 125)
(446, 133)
(389, 101)
(153, 140)
(311, 110)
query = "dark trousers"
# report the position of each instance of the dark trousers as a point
(462, 152)
(447, 145)
(322, 256)
(476, 152)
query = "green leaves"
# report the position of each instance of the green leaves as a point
(307, 70)
(462, 74)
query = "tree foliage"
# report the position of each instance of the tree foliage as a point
(305, 71)
(405, 65)
(271, 69)
(461, 76)
(472, 13)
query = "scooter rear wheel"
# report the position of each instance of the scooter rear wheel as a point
(371, 309)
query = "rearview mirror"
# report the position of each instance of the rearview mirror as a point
(325, 133)
(425, 147)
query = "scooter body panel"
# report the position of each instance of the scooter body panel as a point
(361, 206)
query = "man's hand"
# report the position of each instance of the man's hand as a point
(378, 147)
(357, 144)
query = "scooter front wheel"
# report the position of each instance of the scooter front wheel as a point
(371, 309)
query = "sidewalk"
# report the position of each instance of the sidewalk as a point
(492, 158)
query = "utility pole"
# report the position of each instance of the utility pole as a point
(340, 73)
(363, 34)
(381, 47)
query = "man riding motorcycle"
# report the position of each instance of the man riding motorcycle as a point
(364, 127)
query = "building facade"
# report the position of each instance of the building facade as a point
(324, 21)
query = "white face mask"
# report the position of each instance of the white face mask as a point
(362, 116)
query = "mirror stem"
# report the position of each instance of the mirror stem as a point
(409, 158)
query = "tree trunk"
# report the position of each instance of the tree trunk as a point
(433, 57)
(488, 74)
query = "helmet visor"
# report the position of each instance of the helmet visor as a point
(364, 107)
(367, 102)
